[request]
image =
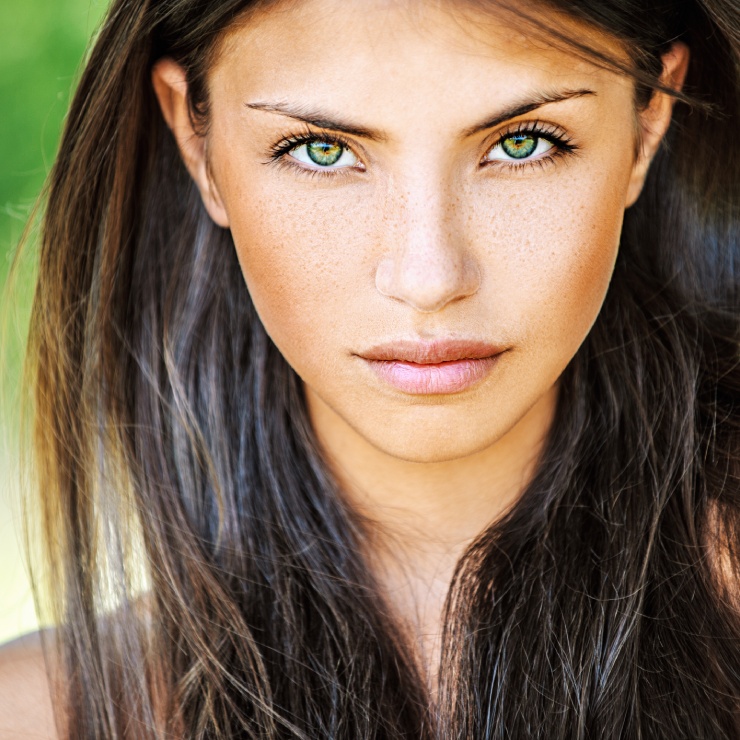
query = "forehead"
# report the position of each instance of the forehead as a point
(404, 54)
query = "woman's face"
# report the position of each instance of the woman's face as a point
(426, 206)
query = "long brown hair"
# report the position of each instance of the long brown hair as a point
(202, 568)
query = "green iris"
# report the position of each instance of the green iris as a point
(324, 153)
(519, 146)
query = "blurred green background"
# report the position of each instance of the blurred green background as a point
(43, 44)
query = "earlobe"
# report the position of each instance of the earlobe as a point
(171, 88)
(654, 120)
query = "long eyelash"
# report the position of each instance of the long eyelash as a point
(277, 152)
(562, 144)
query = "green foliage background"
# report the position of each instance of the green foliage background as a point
(42, 45)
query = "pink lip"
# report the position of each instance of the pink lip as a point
(438, 367)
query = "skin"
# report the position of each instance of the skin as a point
(26, 709)
(419, 240)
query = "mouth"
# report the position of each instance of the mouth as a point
(432, 368)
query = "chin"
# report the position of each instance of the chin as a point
(435, 444)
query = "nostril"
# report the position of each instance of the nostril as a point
(384, 277)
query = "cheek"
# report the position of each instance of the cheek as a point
(551, 255)
(302, 261)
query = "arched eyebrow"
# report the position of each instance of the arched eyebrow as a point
(318, 118)
(524, 107)
(323, 120)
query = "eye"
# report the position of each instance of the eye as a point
(324, 154)
(519, 146)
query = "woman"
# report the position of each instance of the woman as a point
(385, 372)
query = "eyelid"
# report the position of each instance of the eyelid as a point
(544, 129)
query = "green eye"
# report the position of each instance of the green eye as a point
(324, 153)
(519, 146)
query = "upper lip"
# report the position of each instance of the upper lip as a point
(423, 352)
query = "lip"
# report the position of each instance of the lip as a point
(432, 367)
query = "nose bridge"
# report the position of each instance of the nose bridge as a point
(427, 263)
(425, 202)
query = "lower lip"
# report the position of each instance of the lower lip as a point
(433, 379)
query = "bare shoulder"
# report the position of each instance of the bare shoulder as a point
(25, 696)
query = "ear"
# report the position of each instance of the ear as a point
(171, 89)
(653, 122)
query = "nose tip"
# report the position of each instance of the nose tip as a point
(427, 279)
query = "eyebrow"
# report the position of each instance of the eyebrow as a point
(319, 119)
(323, 120)
(524, 107)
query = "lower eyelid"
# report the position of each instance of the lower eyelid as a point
(298, 167)
(551, 157)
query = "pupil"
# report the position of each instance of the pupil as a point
(324, 153)
(519, 145)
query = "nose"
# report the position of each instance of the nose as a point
(427, 264)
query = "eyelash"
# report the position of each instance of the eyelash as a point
(562, 146)
(278, 152)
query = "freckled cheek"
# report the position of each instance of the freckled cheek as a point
(552, 259)
(301, 261)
